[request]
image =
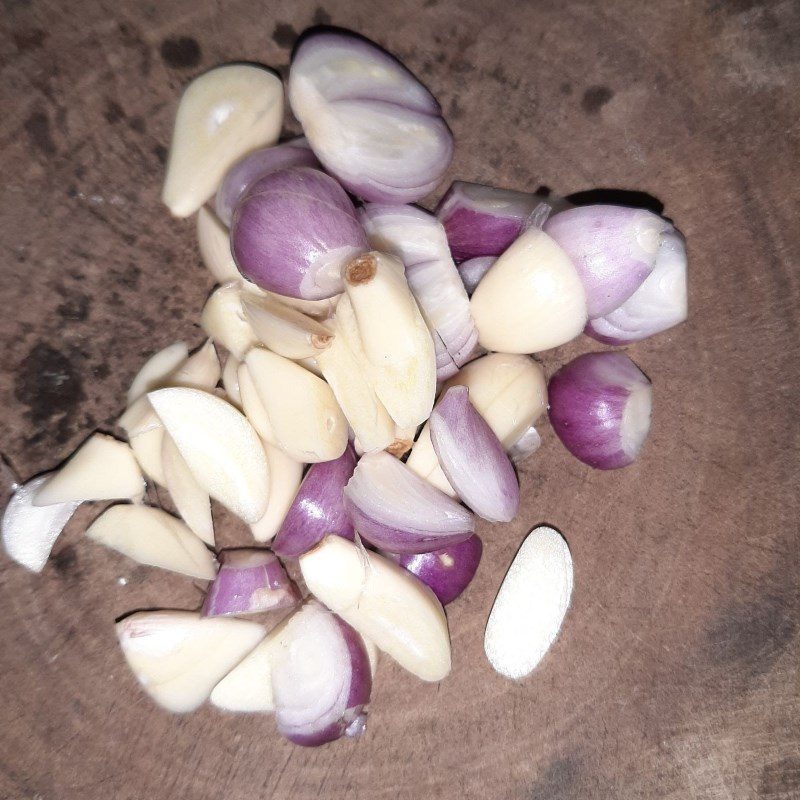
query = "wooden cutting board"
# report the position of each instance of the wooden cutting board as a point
(676, 675)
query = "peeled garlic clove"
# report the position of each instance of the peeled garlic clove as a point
(252, 406)
(223, 114)
(147, 449)
(220, 448)
(29, 532)
(230, 380)
(285, 475)
(318, 309)
(424, 462)
(284, 330)
(311, 364)
(224, 321)
(191, 500)
(155, 538)
(394, 337)
(156, 369)
(102, 468)
(200, 371)
(531, 299)
(178, 657)
(214, 241)
(306, 421)
(531, 604)
(383, 602)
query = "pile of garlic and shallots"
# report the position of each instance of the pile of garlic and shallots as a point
(377, 388)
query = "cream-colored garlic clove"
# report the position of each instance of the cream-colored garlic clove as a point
(200, 371)
(230, 380)
(285, 475)
(222, 115)
(252, 406)
(145, 435)
(191, 500)
(531, 299)
(311, 364)
(178, 656)
(424, 461)
(214, 241)
(224, 321)
(394, 336)
(102, 468)
(306, 421)
(318, 309)
(155, 538)
(156, 369)
(220, 448)
(284, 330)
(383, 602)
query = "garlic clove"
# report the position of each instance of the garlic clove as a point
(383, 602)
(394, 337)
(139, 417)
(156, 369)
(252, 406)
(223, 114)
(178, 657)
(191, 500)
(102, 468)
(214, 241)
(311, 364)
(285, 475)
(306, 421)
(200, 371)
(403, 440)
(531, 299)
(224, 321)
(425, 463)
(155, 538)
(146, 448)
(318, 309)
(219, 446)
(230, 381)
(28, 531)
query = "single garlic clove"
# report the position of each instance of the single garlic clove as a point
(372, 655)
(155, 538)
(285, 475)
(102, 468)
(424, 462)
(29, 532)
(383, 602)
(394, 336)
(252, 406)
(178, 657)
(531, 604)
(200, 371)
(220, 448)
(224, 321)
(214, 241)
(223, 114)
(230, 381)
(318, 309)
(191, 500)
(147, 450)
(284, 330)
(156, 369)
(306, 421)
(311, 364)
(531, 299)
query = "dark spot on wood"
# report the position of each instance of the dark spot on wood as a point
(456, 112)
(565, 88)
(31, 39)
(114, 112)
(180, 52)
(321, 17)
(780, 779)
(160, 152)
(101, 371)
(594, 98)
(137, 124)
(622, 197)
(37, 126)
(543, 190)
(557, 781)
(65, 563)
(284, 35)
(75, 308)
(48, 384)
(129, 277)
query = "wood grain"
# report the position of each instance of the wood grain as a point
(677, 672)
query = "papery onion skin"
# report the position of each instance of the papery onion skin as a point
(600, 406)
(249, 581)
(473, 269)
(396, 510)
(528, 443)
(613, 249)
(318, 507)
(447, 571)
(246, 171)
(473, 458)
(657, 305)
(293, 231)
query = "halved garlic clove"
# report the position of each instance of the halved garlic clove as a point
(28, 531)
(224, 321)
(305, 418)
(531, 299)
(285, 475)
(155, 538)
(214, 241)
(102, 468)
(394, 336)
(383, 602)
(284, 330)
(178, 657)
(230, 381)
(156, 369)
(191, 500)
(252, 406)
(200, 371)
(223, 114)
(220, 448)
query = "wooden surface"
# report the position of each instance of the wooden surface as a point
(676, 675)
